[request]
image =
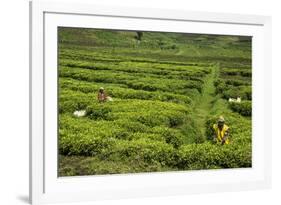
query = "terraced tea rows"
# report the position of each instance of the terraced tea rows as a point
(164, 101)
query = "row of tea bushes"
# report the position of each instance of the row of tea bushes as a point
(236, 82)
(244, 108)
(163, 70)
(150, 151)
(122, 92)
(135, 81)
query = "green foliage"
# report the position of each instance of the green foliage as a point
(233, 83)
(132, 80)
(98, 113)
(156, 83)
(139, 35)
(119, 91)
(245, 92)
(244, 108)
(81, 165)
(208, 156)
(148, 151)
(172, 136)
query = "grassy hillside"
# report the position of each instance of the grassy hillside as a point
(167, 89)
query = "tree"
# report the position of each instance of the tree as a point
(139, 35)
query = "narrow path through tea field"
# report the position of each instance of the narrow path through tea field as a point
(205, 102)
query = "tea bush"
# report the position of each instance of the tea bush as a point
(121, 92)
(245, 92)
(208, 156)
(244, 108)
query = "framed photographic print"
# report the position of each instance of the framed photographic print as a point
(130, 102)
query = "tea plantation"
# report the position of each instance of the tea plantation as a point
(168, 89)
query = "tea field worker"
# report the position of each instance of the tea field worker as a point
(102, 95)
(221, 131)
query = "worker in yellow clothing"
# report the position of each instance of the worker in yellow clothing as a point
(221, 132)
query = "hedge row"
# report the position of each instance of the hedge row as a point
(103, 55)
(244, 108)
(208, 156)
(121, 92)
(187, 157)
(233, 91)
(161, 70)
(141, 82)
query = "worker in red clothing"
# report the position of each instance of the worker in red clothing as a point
(102, 97)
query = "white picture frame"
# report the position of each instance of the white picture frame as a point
(46, 187)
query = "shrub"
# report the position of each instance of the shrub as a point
(220, 86)
(244, 108)
(246, 73)
(150, 119)
(72, 87)
(176, 119)
(237, 82)
(173, 137)
(132, 126)
(98, 112)
(146, 150)
(69, 101)
(87, 145)
(209, 127)
(245, 92)
(208, 156)
(149, 136)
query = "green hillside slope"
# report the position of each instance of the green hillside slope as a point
(167, 89)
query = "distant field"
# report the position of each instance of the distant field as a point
(168, 89)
